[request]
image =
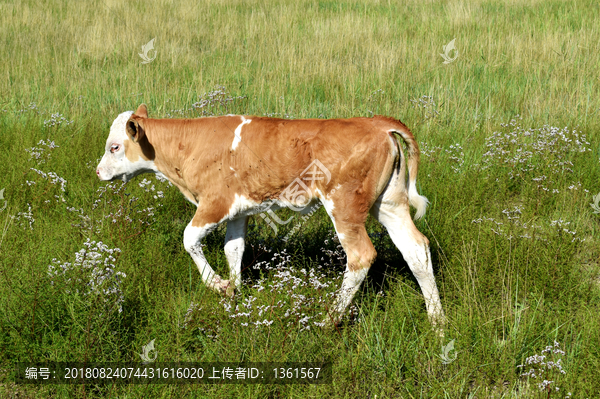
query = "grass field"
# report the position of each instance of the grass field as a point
(93, 271)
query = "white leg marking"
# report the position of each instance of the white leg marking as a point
(238, 133)
(234, 248)
(415, 251)
(192, 237)
(351, 284)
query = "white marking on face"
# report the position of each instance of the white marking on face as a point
(114, 164)
(238, 133)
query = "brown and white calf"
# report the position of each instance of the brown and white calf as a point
(232, 167)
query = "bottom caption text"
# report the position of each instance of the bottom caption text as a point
(174, 373)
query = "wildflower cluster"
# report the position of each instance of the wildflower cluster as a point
(219, 97)
(31, 107)
(85, 222)
(284, 115)
(336, 256)
(42, 153)
(534, 154)
(53, 179)
(490, 220)
(546, 369)
(57, 120)
(150, 188)
(286, 295)
(27, 216)
(429, 151)
(123, 206)
(216, 102)
(513, 226)
(92, 273)
(188, 314)
(561, 229)
(454, 153)
(540, 156)
(427, 106)
(457, 156)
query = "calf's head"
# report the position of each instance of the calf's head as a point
(128, 152)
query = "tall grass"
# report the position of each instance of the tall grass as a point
(510, 165)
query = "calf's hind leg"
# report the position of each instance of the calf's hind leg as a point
(414, 247)
(360, 255)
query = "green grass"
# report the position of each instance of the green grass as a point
(515, 244)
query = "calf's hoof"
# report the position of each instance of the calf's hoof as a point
(223, 287)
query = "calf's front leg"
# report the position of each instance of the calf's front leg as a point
(195, 231)
(234, 248)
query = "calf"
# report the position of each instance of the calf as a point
(232, 167)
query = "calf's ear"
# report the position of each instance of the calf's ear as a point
(135, 130)
(142, 111)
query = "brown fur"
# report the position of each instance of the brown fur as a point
(196, 155)
(229, 165)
